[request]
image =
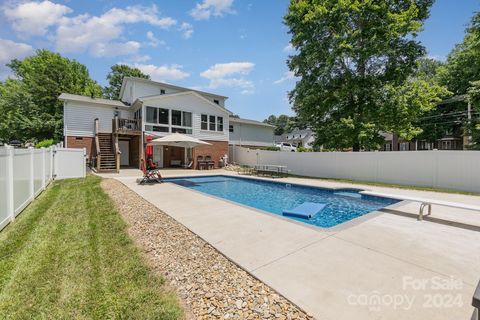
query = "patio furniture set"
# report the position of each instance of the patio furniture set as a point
(268, 170)
(205, 163)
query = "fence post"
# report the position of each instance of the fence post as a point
(9, 180)
(52, 162)
(44, 170)
(84, 163)
(32, 175)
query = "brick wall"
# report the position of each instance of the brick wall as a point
(217, 150)
(80, 143)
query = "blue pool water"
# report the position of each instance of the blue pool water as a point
(274, 197)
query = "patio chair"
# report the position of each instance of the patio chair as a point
(201, 164)
(189, 165)
(151, 165)
(209, 162)
(150, 175)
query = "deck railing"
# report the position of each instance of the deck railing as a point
(126, 126)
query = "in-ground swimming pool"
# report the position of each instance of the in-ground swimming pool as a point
(274, 197)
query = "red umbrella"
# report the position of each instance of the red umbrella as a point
(149, 148)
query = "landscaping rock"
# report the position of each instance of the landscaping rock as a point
(210, 285)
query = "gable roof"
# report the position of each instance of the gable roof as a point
(79, 98)
(248, 121)
(167, 85)
(172, 95)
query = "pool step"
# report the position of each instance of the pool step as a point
(355, 195)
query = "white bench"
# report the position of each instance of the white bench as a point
(424, 202)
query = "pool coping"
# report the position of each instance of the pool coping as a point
(336, 228)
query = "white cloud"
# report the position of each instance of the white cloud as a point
(84, 32)
(207, 8)
(115, 49)
(154, 42)
(163, 72)
(34, 18)
(186, 29)
(230, 75)
(288, 48)
(12, 50)
(98, 35)
(289, 75)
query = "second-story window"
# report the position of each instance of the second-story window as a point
(152, 115)
(162, 91)
(230, 128)
(162, 116)
(176, 118)
(211, 123)
(219, 123)
(204, 124)
(216, 101)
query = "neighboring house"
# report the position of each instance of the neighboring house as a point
(115, 132)
(299, 137)
(450, 126)
(250, 133)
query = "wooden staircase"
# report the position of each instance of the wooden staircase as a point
(107, 154)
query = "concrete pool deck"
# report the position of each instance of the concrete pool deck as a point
(386, 266)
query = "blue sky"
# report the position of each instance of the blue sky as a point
(236, 48)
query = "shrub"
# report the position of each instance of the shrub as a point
(44, 143)
(272, 148)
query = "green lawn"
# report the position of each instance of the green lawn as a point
(68, 256)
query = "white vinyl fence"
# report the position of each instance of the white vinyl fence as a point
(25, 173)
(458, 170)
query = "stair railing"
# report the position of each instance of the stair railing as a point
(97, 144)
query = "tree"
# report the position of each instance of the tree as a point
(473, 127)
(284, 124)
(115, 79)
(30, 102)
(353, 59)
(463, 63)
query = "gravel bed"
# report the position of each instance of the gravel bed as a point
(210, 285)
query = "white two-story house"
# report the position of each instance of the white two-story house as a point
(115, 133)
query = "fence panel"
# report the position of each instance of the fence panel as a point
(4, 214)
(458, 170)
(22, 182)
(69, 163)
(24, 174)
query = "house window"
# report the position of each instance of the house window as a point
(163, 116)
(230, 128)
(152, 115)
(176, 118)
(182, 130)
(219, 123)
(162, 91)
(388, 147)
(216, 101)
(404, 146)
(156, 128)
(204, 122)
(211, 123)
(187, 119)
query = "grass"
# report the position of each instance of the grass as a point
(391, 185)
(68, 256)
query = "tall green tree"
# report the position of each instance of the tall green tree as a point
(115, 79)
(29, 101)
(354, 60)
(463, 63)
(473, 125)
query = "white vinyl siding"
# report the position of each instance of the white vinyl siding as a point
(251, 135)
(79, 118)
